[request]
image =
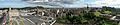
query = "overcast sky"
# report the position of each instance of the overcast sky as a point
(67, 4)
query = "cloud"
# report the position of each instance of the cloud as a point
(83, 3)
(64, 3)
(111, 3)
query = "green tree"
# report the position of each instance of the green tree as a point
(97, 13)
(107, 12)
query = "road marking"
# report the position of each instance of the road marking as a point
(30, 21)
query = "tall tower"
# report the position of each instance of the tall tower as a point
(87, 9)
(9, 13)
(87, 5)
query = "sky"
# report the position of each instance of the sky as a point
(63, 3)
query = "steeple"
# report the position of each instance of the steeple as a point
(87, 5)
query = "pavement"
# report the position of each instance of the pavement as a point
(25, 20)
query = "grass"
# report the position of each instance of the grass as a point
(21, 23)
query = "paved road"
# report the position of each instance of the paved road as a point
(26, 22)
(34, 19)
